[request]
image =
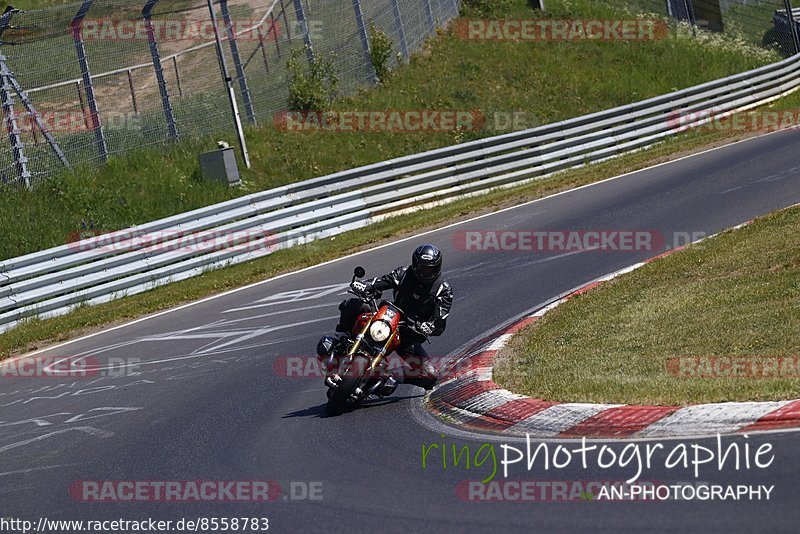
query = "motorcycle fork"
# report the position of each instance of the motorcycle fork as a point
(357, 342)
(377, 360)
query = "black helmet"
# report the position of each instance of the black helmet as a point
(426, 263)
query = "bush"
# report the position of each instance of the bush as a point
(380, 50)
(313, 90)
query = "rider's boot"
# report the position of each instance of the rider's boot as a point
(329, 348)
(425, 377)
(388, 387)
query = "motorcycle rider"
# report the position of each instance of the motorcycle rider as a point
(421, 292)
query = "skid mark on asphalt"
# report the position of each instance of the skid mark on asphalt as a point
(34, 469)
(44, 420)
(781, 175)
(511, 264)
(60, 419)
(85, 429)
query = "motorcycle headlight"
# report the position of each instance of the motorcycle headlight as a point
(379, 331)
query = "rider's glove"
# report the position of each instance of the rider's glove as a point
(360, 287)
(426, 328)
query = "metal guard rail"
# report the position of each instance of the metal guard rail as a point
(54, 281)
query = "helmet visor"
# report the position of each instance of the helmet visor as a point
(427, 272)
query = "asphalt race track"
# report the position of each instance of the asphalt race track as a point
(209, 401)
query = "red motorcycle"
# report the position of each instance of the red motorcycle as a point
(361, 363)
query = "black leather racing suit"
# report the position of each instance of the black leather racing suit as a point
(422, 302)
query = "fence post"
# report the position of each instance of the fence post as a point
(273, 30)
(429, 15)
(177, 76)
(301, 18)
(223, 67)
(133, 93)
(362, 32)
(83, 104)
(401, 31)
(237, 61)
(690, 12)
(792, 25)
(263, 46)
(172, 128)
(686, 12)
(35, 115)
(94, 114)
(17, 148)
(285, 26)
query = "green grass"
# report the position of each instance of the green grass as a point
(737, 296)
(545, 82)
(38, 4)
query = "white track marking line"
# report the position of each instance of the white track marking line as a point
(486, 401)
(558, 418)
(722, 418)
(500, 342)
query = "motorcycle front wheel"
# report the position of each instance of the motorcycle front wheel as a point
(338, 400)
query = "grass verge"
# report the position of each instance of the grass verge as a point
(719, 321)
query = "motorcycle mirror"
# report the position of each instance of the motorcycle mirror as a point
(359, 272)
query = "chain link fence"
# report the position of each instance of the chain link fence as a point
(87, 80)
(756, 22)
(83, 81)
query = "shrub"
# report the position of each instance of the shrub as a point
(312, 88)
(380, 50)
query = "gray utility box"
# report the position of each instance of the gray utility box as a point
(220, 165)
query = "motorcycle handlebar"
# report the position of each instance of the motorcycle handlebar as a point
(372, 297)
(412, 325)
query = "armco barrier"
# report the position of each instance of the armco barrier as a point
(53, 281)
